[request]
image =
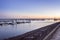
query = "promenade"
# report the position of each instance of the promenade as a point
(56, 36)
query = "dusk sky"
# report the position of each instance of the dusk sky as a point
(29, 8)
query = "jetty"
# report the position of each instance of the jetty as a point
(44, 33)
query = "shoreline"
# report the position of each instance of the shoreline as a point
(40, 33)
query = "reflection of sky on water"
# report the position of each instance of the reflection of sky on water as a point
(7, 31)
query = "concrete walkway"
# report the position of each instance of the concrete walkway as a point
(56, 36)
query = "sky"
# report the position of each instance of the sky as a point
(29, 8)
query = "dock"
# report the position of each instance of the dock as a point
(13, 21)
(44, 33)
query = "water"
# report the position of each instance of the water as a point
(7, 31)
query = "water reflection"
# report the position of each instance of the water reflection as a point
(7, 31)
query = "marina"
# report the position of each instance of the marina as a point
(13, 21)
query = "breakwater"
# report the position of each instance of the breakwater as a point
(38, 34)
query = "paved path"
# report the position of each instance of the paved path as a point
(56, 36)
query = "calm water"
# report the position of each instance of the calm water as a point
(7, 31)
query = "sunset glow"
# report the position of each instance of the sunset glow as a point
(30, 9)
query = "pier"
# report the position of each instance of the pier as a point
(44, 33)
